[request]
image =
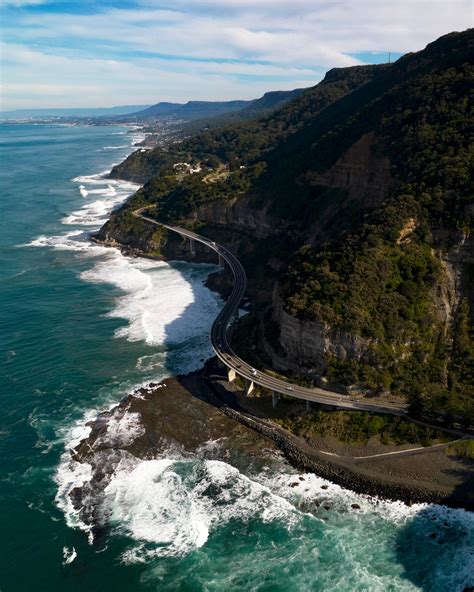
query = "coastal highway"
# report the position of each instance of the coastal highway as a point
(235, 364)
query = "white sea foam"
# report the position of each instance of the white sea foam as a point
(108, 191)
(94, 213)
(175, 504)
(156, 296)
(91, 215)
(307, 488)
(76, 240)
(69, 555)
(123, 428)
(170, 507)
(137, 138)
(69, 476)
(95, 178)
(113, 193)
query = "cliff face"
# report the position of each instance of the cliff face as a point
(138, 167)
(310, 343)
(237, 212)
(363, 171)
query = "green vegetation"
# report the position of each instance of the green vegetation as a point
(464, 448)
(358, 427)
(370, 282)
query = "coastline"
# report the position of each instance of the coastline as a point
(339, 470)
(157, 506)
(204, 409)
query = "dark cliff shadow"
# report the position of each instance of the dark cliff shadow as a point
(184, 341)
(436, 547)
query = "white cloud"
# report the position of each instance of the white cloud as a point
(220, 48)
(19, 3)
(36, 79)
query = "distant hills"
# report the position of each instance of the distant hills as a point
(269, 102)
(72, 112)
(190, 110)
(206, 113)
(215, 110)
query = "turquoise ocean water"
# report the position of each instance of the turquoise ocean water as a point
(82, 326)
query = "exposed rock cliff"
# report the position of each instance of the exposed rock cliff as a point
(310, 343)
(363, 171)
(238, 212)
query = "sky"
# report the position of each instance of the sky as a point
(103, 53)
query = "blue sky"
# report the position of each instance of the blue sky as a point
(98, 53)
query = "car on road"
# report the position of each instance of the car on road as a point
(254, 372)
(289, 388)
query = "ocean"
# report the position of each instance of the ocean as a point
(82, 326)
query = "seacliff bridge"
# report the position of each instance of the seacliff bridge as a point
(238, 367)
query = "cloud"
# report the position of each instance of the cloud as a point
(184, 49)
(42, 80)
(19, 3)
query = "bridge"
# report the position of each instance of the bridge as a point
(238, 367)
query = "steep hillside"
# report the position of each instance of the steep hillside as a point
(351, 208)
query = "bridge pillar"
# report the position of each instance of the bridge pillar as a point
(192, 247)
(275, 399)
(308, 406)
(231, 374)
(221, 262)
(250, 387)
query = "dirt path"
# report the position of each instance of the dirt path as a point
(220, 174)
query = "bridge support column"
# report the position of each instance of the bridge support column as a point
(275, 399)
(250, 387)
(308, 406)
(231, 374)
(221, 262)
(192, 247)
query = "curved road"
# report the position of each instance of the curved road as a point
(230, 359)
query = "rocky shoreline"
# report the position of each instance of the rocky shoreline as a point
(185, 413)
(301, 456)
(348, 478)
(378, 480)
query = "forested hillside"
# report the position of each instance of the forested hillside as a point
(366, 179)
